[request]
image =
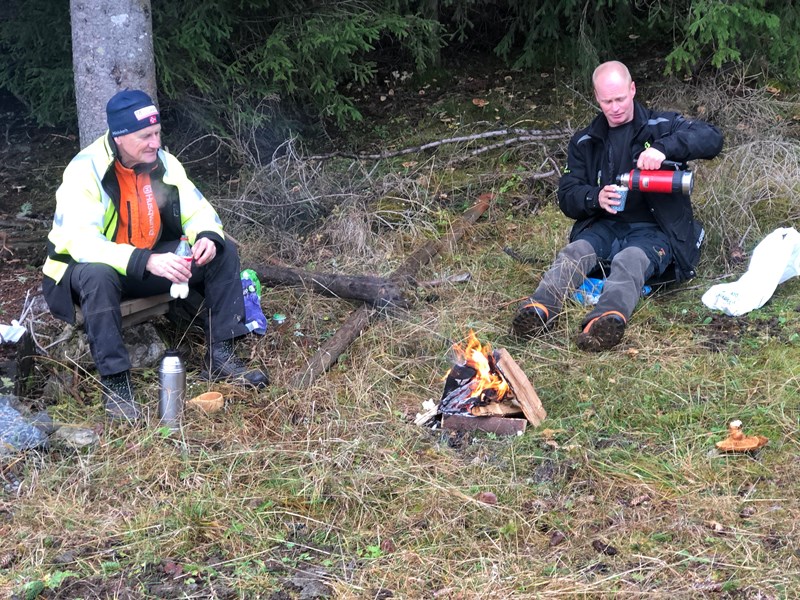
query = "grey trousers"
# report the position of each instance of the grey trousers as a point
(629, 269)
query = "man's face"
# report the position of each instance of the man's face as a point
(140, 146)
(614, 93)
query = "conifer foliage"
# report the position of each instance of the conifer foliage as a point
(312, 57)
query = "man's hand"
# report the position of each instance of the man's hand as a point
(608, 199)
(650, 159)
(170, 266)
(204, 251)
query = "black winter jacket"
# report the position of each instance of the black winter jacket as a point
(589, 168)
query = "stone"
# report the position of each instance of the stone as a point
(144, 345)
(76, 437)
(143, 342)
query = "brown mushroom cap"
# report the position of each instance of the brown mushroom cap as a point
(737, 441)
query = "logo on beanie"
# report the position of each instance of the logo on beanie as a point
(145, 112)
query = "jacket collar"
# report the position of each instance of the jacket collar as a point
(598, 128)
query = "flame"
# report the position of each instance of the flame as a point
(486, 378)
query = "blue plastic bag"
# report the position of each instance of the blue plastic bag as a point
(253, 315)
(589, 292)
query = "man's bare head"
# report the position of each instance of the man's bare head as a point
(614, 91)
(611, 68)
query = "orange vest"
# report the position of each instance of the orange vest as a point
(139, 219)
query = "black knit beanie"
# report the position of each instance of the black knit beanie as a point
(129, 111)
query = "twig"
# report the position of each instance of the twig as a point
(693, 287)
(508, 142)
(458, 278)
(514, 301)
(65, 335)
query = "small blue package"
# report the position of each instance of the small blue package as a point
(589, 292)
(253, 315)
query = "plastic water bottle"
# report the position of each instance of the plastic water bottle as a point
(171, 390)
(181, 290)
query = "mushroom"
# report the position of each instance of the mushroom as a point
(737, 441)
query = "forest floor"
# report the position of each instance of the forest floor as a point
(332, 490)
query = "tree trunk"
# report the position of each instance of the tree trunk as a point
(112, 49)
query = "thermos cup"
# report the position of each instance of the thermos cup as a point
(623, 196)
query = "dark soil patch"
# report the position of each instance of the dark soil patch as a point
(722, 333)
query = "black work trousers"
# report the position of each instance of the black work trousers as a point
(99, 289)
(636, 251)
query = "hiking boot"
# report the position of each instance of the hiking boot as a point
(602, 333)
(532, 319)
(118, 398)
(222, 363)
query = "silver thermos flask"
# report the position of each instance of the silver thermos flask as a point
(172, 390)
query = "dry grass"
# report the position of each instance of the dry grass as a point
(626, 497)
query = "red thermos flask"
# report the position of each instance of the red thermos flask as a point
(663, 182)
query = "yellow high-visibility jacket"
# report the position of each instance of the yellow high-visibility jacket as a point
(87, 217)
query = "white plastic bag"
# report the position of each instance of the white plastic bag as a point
(774, 260)
(11, 334)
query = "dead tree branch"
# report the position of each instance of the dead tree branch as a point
(521, 135)
(377, 291)
(359, 320)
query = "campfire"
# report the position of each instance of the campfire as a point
(484, 390)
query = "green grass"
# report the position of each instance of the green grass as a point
(337, 480)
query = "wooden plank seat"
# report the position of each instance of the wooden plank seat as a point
(137, 310)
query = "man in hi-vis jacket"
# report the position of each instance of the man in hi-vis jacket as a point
(121, 210)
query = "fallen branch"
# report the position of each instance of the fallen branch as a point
(377, 291)
(521, 135)
(426, 253)
(332, 349)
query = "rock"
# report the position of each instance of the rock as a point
(142, 341)
(557, 538)
(76, 437)
(604, 547)
(43, 422)
(144, 345)
(65, 558)
(311, 584)
(10, 482)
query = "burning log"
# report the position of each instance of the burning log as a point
(496, 425)
(485, 386)
(495, 409)
(523, 391)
